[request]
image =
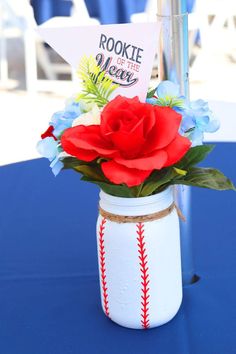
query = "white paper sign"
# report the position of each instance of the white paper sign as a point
(125, 51)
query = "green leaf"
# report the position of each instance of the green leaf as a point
(151, 93)
(194, 156)
(113, 189)
(90, 171)
(170, 101)
(136, 190)
(206, 178)
(71, 162)
(157, 180)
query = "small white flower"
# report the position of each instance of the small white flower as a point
(92, 117)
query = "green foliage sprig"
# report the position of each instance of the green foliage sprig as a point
(167, 101)
(96, 86)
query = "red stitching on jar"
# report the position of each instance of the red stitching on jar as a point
(103, 267)
(144, 276)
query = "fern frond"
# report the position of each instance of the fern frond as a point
(97, 87)
(170, 102)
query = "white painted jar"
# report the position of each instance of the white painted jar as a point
(139, 262)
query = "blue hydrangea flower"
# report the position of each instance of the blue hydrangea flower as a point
(168, 89)
(48, 148)
(73, 107)
(197, 118)
(168, 94)
(63, 120)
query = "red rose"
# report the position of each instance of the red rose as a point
(136, 138)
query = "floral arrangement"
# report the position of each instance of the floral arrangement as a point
(130, 148)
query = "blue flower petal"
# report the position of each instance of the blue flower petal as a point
(151, 101)
(61, 127)
(63, 119)
(73, 108)
(202, 122)
(168, 89)
(202, 119)
(178, 110)
(56, 117)
(213, 126)
(47, 148)
(56, 166)
(187, 123)
(199, 104)
(196, 137)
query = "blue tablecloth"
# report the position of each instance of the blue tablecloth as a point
(49, 298)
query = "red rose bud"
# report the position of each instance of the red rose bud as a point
(49, 133)
(136, 138)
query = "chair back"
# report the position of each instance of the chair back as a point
(18, 14)
(80, 10)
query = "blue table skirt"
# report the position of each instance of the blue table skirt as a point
(107, 11)
(49, 298)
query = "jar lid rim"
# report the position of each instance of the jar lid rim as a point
(138, 200)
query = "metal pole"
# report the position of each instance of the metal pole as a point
(174, 66)
(3, 50)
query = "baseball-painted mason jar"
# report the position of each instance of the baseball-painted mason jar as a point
(139, 259)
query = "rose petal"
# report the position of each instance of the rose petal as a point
(120, 119)
(127, 125)
(177, 149)
(129, 143)
(165, 129)
(119, 174)
(81, 154)
(156, 160)
(88, 138)
(120, 102)
(150, 121)
(117, 104)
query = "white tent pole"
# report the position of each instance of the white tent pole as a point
(174, 66)
(173, 63)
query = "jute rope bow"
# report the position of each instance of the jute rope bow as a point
(121, 219)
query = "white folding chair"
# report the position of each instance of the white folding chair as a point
(80, 13)
(149, 14)
(17, 20)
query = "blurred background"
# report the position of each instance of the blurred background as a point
(34, 80)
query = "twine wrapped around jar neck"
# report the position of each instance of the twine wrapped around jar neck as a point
(121, 219)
